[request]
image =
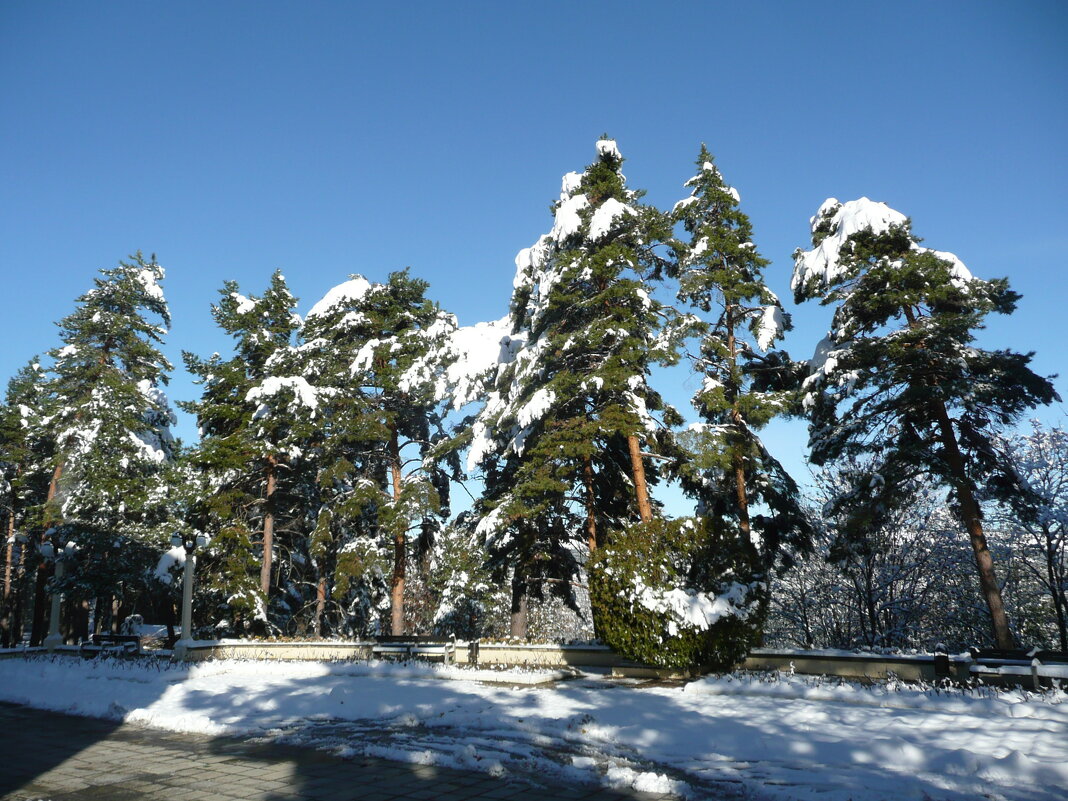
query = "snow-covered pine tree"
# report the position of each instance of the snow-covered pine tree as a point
(112, 432)
(899, 375)
(369, 349)
(720, 273)
(26, 448)
(247, 443)
(563, 438)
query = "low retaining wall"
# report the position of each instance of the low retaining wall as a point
(467, 653)
(284, 651)
(17, 653)
(927, 668)
(531, 655)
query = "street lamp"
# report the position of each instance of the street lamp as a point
(48, 551)
(190, 544)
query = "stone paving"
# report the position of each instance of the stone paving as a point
(47, 756)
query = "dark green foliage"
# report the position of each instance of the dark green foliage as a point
(901, 355)
(552, 441)
(382, 477)
(229, 601)
(242, 438)
(677, 559)
(111, 424)
(745, 382)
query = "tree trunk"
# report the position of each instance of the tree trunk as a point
(742, 497)
(9, 555)
(100, 614)
(641, 488)
(400, 543)
(80, 622)
(170, 620)
(7, 624)
(520, 604)
(737, 458)
(320, 605)
(19, 601)
(969, 508)
(973, 522)
(268, 528)
(591, 504)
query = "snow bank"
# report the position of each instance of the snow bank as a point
(775, 737)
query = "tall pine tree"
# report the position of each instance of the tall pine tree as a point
(372, 351)
(112, 433)
(563, 439)
(900, 377)
(720, 273)
(248, 444)
(26, 448)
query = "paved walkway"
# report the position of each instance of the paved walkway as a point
(59, 757)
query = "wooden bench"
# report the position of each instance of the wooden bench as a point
(431, 648)
(110, 643)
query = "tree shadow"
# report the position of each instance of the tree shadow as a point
(59, 756)
(352, 730)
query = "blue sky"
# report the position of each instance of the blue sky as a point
(327, 138)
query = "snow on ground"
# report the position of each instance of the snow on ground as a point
(776, 737)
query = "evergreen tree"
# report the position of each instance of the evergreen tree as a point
(112, 433)
(720, 273)
(899, 375)
(563, 438)
(248, 446)
(373, 351)
(26, 448)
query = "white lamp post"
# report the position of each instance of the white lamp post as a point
(48, 551)
(190, 544)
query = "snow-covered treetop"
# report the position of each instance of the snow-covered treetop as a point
(818, 270)
(352, 290)
(821, 266)
(599, 243)
(902, 344)
(719, 267)
(608, 147)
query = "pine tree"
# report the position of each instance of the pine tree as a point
(112, 432)
(374, 351)
(247, 416)
(899, 375)
(26, 448)
(562, 440)
(720, 273)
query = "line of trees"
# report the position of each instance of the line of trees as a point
(329, 447)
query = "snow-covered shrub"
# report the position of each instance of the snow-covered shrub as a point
(677, 594)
